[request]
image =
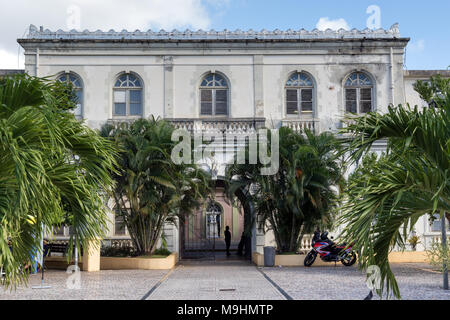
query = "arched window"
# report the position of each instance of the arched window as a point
(214, 95)
(358, 93)
(299, 94)
(75, 80)
(127, 96)
(213, 220)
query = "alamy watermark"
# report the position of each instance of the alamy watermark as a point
(73, 20)
(74, 280)
(374, 20)
(373, 281)
(207, 145)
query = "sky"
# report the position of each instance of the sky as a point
(425, 22)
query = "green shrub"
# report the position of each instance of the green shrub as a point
(162, 252)
(438, 255)
(118, 251)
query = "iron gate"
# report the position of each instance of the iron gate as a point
(200, 232)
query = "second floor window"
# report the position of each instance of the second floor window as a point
(127, 96)
(214, 95)
(299, 94)
(77, 86)
(358, 93)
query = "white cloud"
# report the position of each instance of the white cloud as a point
(99, 14)
(8, 60)
(325, 23)
(417, 46)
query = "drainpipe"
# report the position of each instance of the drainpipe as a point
(37, 62)
(391, 67)
(444, 247)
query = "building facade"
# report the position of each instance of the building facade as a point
(226, 81)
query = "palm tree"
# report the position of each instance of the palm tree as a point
(391, 192)
(300, 195)
(151, 189)
(53, 168)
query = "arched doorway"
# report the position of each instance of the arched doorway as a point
(202, 233)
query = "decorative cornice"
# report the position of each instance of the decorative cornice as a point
(225, 35)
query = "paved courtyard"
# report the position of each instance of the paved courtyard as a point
(230, 280)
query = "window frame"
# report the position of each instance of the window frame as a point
(299, 89)
(359, 87)
(214, 90)
(127, 89)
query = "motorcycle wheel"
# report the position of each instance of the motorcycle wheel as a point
(309, 259)
(349, 260)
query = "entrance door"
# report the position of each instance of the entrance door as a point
(202, 235)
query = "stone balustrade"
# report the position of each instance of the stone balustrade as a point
(302, 124)
(223, 126)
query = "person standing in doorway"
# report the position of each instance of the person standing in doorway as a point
(227, 234)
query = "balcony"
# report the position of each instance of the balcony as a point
(299, 125)
(219, 125)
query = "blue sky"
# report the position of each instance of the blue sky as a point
(425, 22)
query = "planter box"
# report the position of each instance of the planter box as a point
(60, 263)
(296, 260)
(117, 263)
(408, 257)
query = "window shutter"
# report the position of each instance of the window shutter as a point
(135, 102)
(366, 100)
(350, 100)
(291, 101)
(221, 102)
(206, 102)
(307, 100)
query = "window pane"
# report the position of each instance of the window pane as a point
(135, 109)
(291, 101)
(307, 95)
(350, 94)
(221, 95)
(291, 108)
(306, 106)
(119, 225)
(120, 109)
(350, 106)
(135, 95)
(119, 96)
(350, 100)
(221, 102)
(366, 106)
(206, 95)
(291, 95)
(366, 94)
(221, 108)
(305, 80)
(206, 108)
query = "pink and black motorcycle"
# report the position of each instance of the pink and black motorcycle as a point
(329, 251)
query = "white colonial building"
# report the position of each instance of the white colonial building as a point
(227, 81)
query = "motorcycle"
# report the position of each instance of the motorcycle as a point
(329, 251)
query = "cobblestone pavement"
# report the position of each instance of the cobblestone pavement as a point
(216, 281)
(231, 280)
(416, 282)
(106, 285)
